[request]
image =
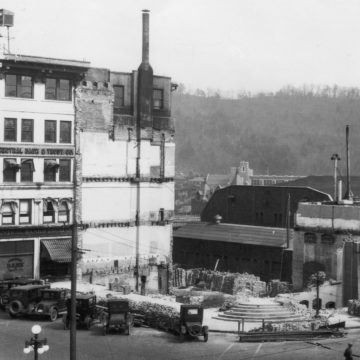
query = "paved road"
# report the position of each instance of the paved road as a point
(146, 344)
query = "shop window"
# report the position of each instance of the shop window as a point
(11, 167)
(27, 170)
(49, 212)
(119, 99)
(65, 132)
(158, 99)
(63, 212)
(10, 129)
(27, 130)
(18, 86)
(65, 170)
(8, 210)
(25, 212)
(327, 239)
(57, 89)
(50, 131)
(310, 238)
(50, 169)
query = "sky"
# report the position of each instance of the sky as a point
(223, 45)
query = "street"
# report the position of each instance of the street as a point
(146, 344)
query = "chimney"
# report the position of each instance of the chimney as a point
(348, 195)
(145, 82)
(145, 37)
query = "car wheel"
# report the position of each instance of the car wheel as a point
(206, 337)
(15, 308)
(87, 322)
(53, 314)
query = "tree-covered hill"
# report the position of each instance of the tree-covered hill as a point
(293, 131)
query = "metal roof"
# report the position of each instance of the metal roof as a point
(44, 60)
(241, 234)
(59, 249)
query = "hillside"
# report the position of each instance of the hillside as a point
(293, 131)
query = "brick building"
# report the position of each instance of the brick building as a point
(244, 229)
(119, 127)
(327, 239)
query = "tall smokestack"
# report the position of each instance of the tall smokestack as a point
(145, 80)
(145, 37)
(348, 195)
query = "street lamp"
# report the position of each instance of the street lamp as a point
(39, 346)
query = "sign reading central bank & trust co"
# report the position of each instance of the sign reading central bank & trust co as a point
(36, 151)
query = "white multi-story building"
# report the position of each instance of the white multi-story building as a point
(120, 128)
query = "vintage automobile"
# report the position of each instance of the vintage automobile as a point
(52, 302)
(6, 285)
(190, 323)
(23, 299)
(117, 316)
(87, 311)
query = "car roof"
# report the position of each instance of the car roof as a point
(190, 306)
(28, 287)
(84, 296)
(53, 290)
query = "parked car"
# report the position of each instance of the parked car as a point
(87, 311)
(117, 316)
(52, 302)
(6, 285)
(23, 299)
(190, 323)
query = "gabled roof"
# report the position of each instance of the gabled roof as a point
(325, 183)
(241, 234)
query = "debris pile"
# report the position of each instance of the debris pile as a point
(228, 283)
(354, 307)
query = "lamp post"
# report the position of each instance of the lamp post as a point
(39, 346)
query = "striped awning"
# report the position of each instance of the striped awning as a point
(59, 249)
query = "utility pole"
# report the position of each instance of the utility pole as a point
(74, 242)
(288, 215)
(348, 195)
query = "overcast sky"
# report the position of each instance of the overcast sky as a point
(230, 45)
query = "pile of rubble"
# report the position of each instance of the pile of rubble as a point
(228, 283)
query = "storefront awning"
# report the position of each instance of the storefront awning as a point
(11, 164)
(59, 249)
(51, 164)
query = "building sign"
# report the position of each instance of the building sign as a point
(18, 266)
(35, 151)
(15, 264)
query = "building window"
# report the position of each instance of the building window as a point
(119, 99)
(11, 167)
(50, 131)
(57, 89)
(27, 170)
(25, 212)
(63, 212)
(49, 212)
(310, 238)
(10, 127)
(19, 86)
(65, 170)
(27, 130)
(8, 210)
(65, 132)
(327, 239)
(50, 169)
(158, 99)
